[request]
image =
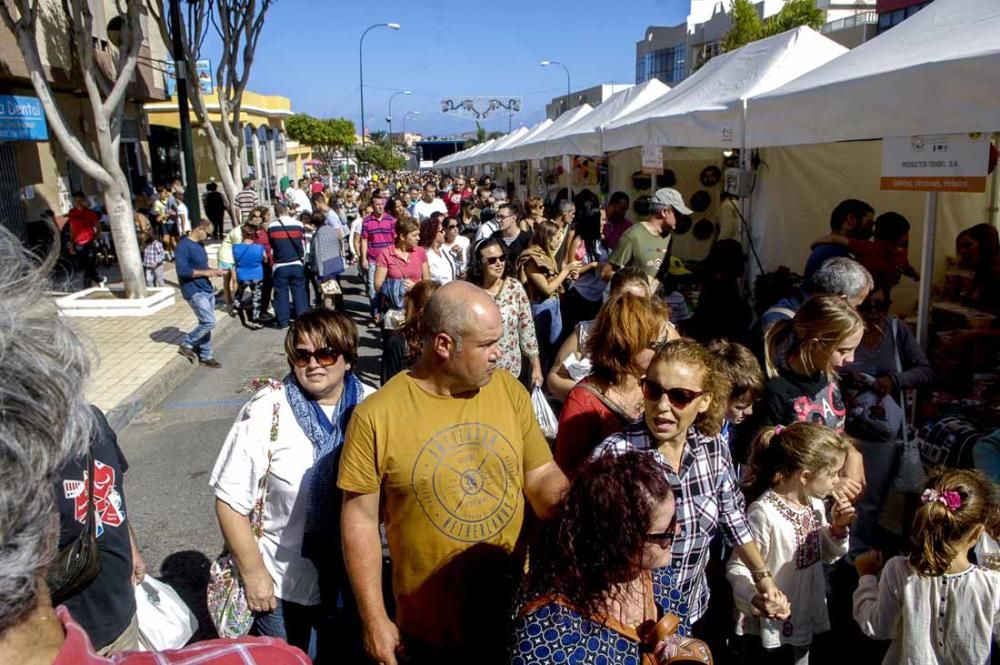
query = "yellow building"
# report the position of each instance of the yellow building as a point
(265, 159)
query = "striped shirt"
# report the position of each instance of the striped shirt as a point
(246, 200)
(378, 233)
(707, 497)
(287, 239)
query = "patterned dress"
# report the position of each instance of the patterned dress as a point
(518, 326)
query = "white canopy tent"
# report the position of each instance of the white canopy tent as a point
(449, 160)
(584, 137)
(937, 72)
(529, 149)
(486, 156)
(706, 109)
(502, 155)
(475, 150)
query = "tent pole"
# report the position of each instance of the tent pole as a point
(927, 268)
(993, 202)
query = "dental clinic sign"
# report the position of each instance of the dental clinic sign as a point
(22, 119)
(936, 163)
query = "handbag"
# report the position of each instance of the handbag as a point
(226, 597)
(77, 564)
(677, 648)
(165, 621)
(910, 477)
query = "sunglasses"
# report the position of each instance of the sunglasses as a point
(679, 397)
(450, 227)
(324, 357)
(494, 260)
(664, 538)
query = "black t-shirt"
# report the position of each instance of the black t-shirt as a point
(514, 248)
(792, 398)
(106, 607)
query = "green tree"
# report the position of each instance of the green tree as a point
(379, 137)
(746, 25)
(381, 156)
(795, 13)
(325, 136)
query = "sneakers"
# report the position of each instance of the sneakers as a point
(188, 353)
(211, 363)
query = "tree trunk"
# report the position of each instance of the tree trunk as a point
(118, 203)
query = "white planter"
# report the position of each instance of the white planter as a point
(103, 302)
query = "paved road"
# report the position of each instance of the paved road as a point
(171, 450)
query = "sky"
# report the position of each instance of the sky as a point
(308, 51)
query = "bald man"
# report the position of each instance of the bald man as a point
(451, 452)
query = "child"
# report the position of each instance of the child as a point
(248, 257)
(740, 366)
(153, 256)
(792, 470)
(936, 606)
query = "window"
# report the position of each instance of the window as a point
(668, 65)
(889, 19)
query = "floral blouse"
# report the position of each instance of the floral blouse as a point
(518, 326)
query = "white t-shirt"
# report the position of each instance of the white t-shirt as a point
(423, 210)
(441, 266)
(462, 258)
(183, 221)
(298, 197)
(238, 470)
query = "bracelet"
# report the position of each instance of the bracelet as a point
(758, 575)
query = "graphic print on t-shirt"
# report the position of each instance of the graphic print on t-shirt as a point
(463, 479)
(107, 501)
(826, 408)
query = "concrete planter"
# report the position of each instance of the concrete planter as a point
(104, 302)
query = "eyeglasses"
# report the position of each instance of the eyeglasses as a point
(450, 227)
(665, 538)
(324, 357)
(494, 260)
(679, 397)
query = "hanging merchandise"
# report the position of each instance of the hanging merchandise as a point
(666, 179)
(703, 229)
(683, 224)
(641, 181)
(602, 176)
(710, 176)
(701, 200)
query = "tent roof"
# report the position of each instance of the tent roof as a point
(583, 137)
(936, 72)
(501, 143)
(475, 150)
(706, 109)
(530, 149)
(502, 155)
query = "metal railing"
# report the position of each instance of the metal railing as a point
(864, 18)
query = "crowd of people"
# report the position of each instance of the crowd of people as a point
(715, 484)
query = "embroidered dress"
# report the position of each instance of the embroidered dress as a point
(795, 542)
(518, 326)
(707, 499)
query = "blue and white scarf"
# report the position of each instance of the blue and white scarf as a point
(327, 436)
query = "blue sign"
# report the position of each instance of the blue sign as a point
(204, 71)
(22, 119)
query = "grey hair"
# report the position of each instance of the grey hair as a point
(499, 193)
(566, 206)
(841, 276)
(45, 422)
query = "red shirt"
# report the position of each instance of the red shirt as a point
(583, 424)
(76, 650)
(613, 232)
(83, 225)
(396, 268)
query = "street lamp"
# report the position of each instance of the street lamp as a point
(546, 63)
(361, 67)
(389, 119)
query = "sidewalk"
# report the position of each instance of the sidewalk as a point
(134, 359)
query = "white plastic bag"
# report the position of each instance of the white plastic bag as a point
(543, 412)
(165, 622)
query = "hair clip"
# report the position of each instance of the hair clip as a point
(951, 499)
(778, 429)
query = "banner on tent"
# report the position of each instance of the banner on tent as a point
(480, 108)
(652, 159)
(938, 163)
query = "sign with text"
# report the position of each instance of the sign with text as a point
(204, 70)
(652, 159)
(935, 163)
(22, 119)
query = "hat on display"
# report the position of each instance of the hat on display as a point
(669, 197)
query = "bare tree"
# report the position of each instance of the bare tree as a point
(106, 92)
(238, 25)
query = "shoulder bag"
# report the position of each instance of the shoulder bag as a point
(77, 564)
(227, 599)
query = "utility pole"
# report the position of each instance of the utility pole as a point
(191, 197)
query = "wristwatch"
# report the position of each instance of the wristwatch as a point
(758, 575)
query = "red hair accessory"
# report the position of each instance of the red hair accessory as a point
(777, 429)
(951, 499)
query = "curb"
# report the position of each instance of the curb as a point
(151, 393)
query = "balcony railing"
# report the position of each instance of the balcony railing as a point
(864, 18)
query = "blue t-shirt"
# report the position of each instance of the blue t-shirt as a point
(249, 260)
(191, 256)
(821, 255)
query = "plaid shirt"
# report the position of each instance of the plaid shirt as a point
(153, 254)
(707, 497)
(76, 650)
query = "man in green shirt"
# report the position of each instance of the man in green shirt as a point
(645, 244)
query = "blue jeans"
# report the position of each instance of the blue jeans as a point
(370, 283)
(289, 278)
(296, 624)
(200, 339)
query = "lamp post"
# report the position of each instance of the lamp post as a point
(361, 67)
(389, 118)
(546, 63)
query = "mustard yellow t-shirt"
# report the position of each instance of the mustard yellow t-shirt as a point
(451, 474)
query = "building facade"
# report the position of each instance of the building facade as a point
(35, 174)
(594, 96)
(894, 12)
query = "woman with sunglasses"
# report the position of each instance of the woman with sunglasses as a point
(488, 270)
(684, 401)
(590, 584)
(282, 452)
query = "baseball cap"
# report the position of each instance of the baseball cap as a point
(669, 197)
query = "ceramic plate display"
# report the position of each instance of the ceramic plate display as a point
(667, 179)
(710, 176)
(701, 200)
(703, 229)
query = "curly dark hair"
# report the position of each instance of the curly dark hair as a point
(475, 269)
(596, 537)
